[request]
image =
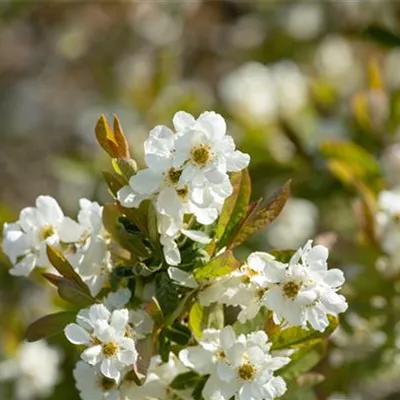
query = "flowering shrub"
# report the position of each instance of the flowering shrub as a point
(163, 308)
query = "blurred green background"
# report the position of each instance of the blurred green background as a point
(311, 89)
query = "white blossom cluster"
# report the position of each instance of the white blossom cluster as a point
(108, 331)
(300, 292)
(187, 173)
(187, 180)
(240, 367)
(84, 242)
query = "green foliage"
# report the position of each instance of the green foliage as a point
(49, 325)
(234, 208)
(196, 316)
(292, 337)
(70, 285)
(259, 215)
(167, 293)
(217, 267)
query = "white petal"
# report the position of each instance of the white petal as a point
(99, 312)
(169, 203)
(49, 209)
(227, 337)
(29, 219)
(225, 372)
(70, 231)
(197, 236)
(197, 358)
(25, 266)
(110, 368)
(182, 121)
(334, 278)
(237, 161)
(216, 122)
(92, 354)
(172, 255)
(182, 277)
(128, 198)
(146, 181)
(119, 319)
(76, 334)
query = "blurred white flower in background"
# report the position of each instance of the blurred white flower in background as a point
(336, 62)
(297, 222)
(291, 86)
(35, 370)
(250, 90)
(262, 92)
(304, 21)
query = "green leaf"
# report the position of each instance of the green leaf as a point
(235, 207)
(70, 291)
(217, 267)
(139, 216)
(259, 215)
(185, 380)
(197, 392)
(295, 336)
(164, 346)
(178, 333)
(127, 239)
(49, 325)
(114, 182)
(303, 360)
(152, 228)
(382, 36)
(358, 162)
(167, 293)
(61, 264)
(196, 315)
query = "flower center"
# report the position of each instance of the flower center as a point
(106, 383)
(174, 175)
(46, 232)
(183, 193)
(246, 372)
(201, 154)
(291, 289)
(221, 354)
(109, 349)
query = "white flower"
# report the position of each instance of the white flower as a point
(92, 384)
(159, 377)
(299, 293)
(170, 232)
(92, 257)
(104, 334)
(207, 153)
(25, 241)
(117, 300)
(34, 369)
(241, 367)
(162, 181)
